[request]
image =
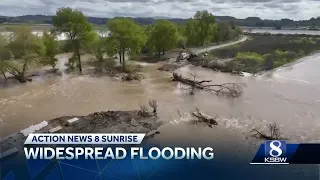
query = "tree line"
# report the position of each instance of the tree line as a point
(249, 21)
(126, 38)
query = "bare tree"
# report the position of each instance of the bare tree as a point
(228, 89)
(153, 104)
(192, 88)
(199, 117)
(132, 77)
(274, 133)
(143, 111)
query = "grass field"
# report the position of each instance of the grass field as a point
(34, 27)
(262, 53)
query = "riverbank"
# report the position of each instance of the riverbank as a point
(98, 122)
(173, 64)
(131, 72)
(259, 53)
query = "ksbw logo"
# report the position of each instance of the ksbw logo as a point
(275, 152)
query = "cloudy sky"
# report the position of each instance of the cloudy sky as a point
(266, 9)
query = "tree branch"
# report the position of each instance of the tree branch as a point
(227, 89)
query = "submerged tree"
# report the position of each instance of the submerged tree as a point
(164, 36)
(26, 48)
(126, 35)
(51, 50)
(75, 24)
(232, 90)
(100, 47)
(5, 55)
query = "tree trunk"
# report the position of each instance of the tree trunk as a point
(18, 75)
(159, 51)
(120, 56)
(123, 56)
(4, 75)
(202, 42)
(163, 51)
(21, 78)
(24, 67)
(79, 60)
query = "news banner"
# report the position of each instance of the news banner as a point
(126, 156)
(271, 152)
(108, 152)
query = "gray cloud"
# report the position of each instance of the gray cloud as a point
(266, 9)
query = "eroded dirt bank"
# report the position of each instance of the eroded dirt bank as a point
(98, 122)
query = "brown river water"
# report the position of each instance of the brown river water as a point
(288, 96)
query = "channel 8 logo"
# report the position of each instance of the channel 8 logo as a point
(276, 148)
(275, 152)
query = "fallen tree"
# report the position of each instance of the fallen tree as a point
(228, 89)
(200, 117)
(16, 73)
(132, 77)
(274, 133)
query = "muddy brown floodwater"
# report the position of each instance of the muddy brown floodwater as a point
(288, 96)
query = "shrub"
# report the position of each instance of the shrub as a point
(143, 111)
(153, 104)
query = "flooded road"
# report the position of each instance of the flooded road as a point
(288, 96)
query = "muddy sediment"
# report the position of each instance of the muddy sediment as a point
(98, 122)
(171, 66)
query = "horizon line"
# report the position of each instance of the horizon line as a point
(165, 17)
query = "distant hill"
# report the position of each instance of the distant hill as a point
(250, 21)
(42, 19)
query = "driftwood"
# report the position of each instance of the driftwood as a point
(143, 112)
(132, 77)
(199, 117)
(274, 132)
(20, 78)
(261, 135)
(228, 89)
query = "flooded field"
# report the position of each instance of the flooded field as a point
(287, 96)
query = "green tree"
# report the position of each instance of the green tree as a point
(237, 32)
(52, 47)
(192, 32)
(5, 55)
(97, 47)
(75, 24)
(164, 36)
(200, 29)
(126, 35)
(224, 32)
(148, 46)
(26, 49)
(205, 20)
(112, 47)
(182, 39)
(100, 48)
(215, 33)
